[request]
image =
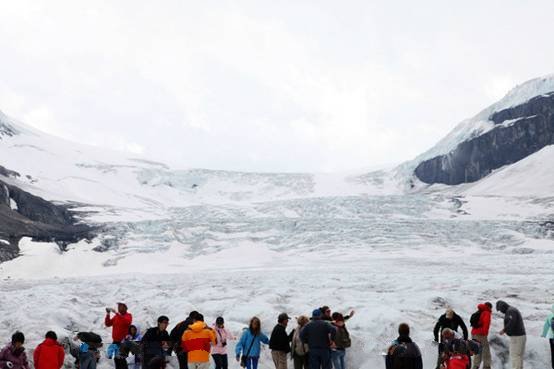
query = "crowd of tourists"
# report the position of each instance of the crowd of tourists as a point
(316, 342)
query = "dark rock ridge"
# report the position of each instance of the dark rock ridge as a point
(519, 132)
(37, 218)
(6, 130)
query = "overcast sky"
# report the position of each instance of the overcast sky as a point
(266, 85)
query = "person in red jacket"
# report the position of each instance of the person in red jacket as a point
(480, 333)
(121, 321)
(49, 354)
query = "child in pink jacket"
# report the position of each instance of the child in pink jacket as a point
(219, 351)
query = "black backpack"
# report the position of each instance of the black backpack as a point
(475, 318)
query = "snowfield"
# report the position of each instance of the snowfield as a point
(243, 244)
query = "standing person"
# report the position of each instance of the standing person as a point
(319, 334)
(548, 332)
(341, 343)
(13, 354)
(49, 354)
(249, 345)
(480, 323)
(279, 342)
(176, 336)
(120, 323)
(403, 353)
(132, 344)
(299, 349)
(155, 342)
(197, 341)
(515, 329)
(219, 351)
(87, 353)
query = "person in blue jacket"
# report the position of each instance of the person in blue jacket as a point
(249, 345)
(548, 332)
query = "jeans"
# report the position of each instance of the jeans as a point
(485, 355)
(337, 357)
(320, 358)
(252, 362)
(220, 361)
(517, 350)
(552, 351)
(87, 360)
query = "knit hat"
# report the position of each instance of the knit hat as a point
(316, 314)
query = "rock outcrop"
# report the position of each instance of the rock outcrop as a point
(37, 218)
(518, 132)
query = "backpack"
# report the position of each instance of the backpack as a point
(92, 339)
(475, 318)
(343, 338)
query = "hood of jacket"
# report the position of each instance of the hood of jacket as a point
(502, 306)
(197, 327)
(483, 307)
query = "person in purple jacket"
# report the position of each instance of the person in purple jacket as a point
(13, 355)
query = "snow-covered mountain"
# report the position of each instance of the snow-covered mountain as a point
(241, 244)
(517, 126)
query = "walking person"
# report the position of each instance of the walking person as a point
(155, 342)
(176, 336)
(279, 342)
(515, 329)
(49, 354)
(120, 323)
(480, 325)
(248, 348)
(548, 332)
(403, 353)
(197, 342)
(300, 350)
(319, 334)
(13, 355)
(219, 351)
(341, 343)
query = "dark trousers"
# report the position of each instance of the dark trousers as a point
(552, 351)
(301, 362)
(220, 361)
(320, 358)
(120, 362)
(182, 358)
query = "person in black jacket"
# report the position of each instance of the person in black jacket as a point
(155, 342)
(449, 320)
(403, 353)
(176, 336)
(279, 342)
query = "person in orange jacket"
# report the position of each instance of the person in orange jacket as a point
(120, 322)
(49, 354)
(197, 341)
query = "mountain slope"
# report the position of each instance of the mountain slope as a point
(498, 136)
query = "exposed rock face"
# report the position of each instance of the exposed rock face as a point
(519, 132)
(6, 130)
(36, 218)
